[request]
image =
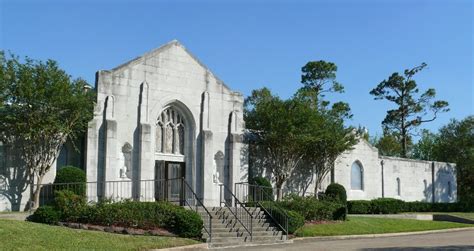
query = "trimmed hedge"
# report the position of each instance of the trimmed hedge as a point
(387, 206)
(336, 192)
(393, 206)
(359, 206)
(71, 174)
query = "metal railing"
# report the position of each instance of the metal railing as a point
(243, 216)
(262, 197)
(176, 190)
(196, 204)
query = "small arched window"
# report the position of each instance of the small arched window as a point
(357, 176)
(399, 192)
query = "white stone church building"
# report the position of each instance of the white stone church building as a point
(166, 116)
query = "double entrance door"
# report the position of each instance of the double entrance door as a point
(169, 181)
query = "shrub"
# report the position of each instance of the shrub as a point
(390, 206)
(359, 207)
(71, 174)
(144, 215)
(45, 214)
(261, 181)
(69, 204)
(387, 206)
(339, 211)
(336, 192)
(295, 221)
(315, 210)
(185, 223)
(263, 192)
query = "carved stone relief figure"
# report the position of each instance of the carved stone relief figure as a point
(126, 170)
(219, 168)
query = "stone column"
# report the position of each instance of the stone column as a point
(146, 159)
(110, 150)
(93, 153)
(146, 164)
(210, 189)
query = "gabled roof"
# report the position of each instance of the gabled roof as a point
(162, 48)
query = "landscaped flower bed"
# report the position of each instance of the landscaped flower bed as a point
(124, 216)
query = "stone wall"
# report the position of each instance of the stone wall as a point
(416, 177)
(419, 180)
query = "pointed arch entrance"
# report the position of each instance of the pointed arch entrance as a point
(174, 138)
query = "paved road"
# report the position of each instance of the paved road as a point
(459, 240)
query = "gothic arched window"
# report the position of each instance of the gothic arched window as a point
(170, 130)
(357, 176)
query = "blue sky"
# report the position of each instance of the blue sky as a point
(251, 44)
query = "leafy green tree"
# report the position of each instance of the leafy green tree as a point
(455, 143)
(318, 79)
(412, 110)
(41, 107)
(277, 126)
(302, 132)
(425, 148)
(389, 144)
(328, 136)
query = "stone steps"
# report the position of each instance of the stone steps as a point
(229, 231)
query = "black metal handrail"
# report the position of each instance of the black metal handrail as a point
(244, 217)
(259, 195)
(208, 230)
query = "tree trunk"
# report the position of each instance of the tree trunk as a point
(404, 144)
(37, 192)
(279, 192)
(316, 185)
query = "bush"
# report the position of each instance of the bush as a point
(71, 174)
(315, 210)
(263, 192)
(261, 181)
(391, 206)
(387, 206)
(144, 215)
(69, 204)
(45, 214)
(339, 212)
(336, 192)
(295, 221)
(186, 223)
(359, 207)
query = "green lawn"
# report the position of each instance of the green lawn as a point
(20, 235)
(366, 225)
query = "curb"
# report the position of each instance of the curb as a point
(369, 236)
(201, 246)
